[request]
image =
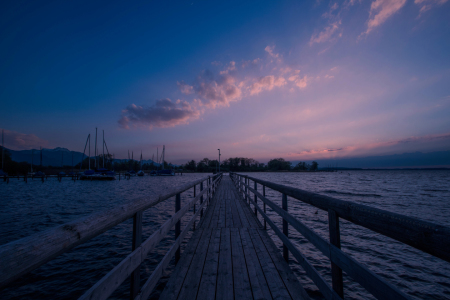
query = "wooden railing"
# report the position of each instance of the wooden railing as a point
(426, 236)
(25, 255)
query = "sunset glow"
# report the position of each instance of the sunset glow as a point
(302, 80)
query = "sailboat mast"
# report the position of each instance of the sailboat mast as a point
(89, 137)
(164, 150)
(41, 156)
(95, 150)
(32, 150)
(62, 159)
(3, 147)
(140, 162)
(103, 149)
(157, 154)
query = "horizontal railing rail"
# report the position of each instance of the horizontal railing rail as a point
(25, 255)
(356, 213)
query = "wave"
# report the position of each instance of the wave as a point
(351, 194)
(429, 190)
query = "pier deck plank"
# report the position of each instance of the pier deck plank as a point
(231, 256)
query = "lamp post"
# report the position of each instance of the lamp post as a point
(219, 160)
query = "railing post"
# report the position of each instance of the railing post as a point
(264, 194)
(137, 240)
(285, 228)
(335, 239)
(194, 203)
(246, 191)
(177, 225)
(256, 199)
(201, 199)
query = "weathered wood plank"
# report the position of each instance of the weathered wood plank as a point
(178, 276)
(274, 282)
(207, 289)
(255, 272)
(225, 271)
(242, 215)
(234, 211)
(194, 274)
(290, 280)
(242, 288)
(229, 214)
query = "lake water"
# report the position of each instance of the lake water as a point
(27, 208)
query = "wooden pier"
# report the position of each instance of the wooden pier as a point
(231, 256)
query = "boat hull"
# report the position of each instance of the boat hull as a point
(97, 177)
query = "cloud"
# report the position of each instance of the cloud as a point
(266, 83)
(276, 56)
(231, 67)
(428, 4)
(251, 63)
(327, 34)
(21, 141)
(216, 63)
(300, 82)
(218, 90)
(185, 88)
(381, 10)
(372, 148)
(164, 113)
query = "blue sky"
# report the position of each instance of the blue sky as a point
(295, 79)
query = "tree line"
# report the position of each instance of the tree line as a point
(243, 164)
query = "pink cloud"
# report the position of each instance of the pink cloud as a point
(364, 149)
(270, 50)
(185, 88)
(327, 34)
(216, 91)
(300, 82)
(266, 83)
(255, 62)
(381, 10)
(164, 113)
(231, 67)
(426, 5)
(22, 141)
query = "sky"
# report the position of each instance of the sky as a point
(300, 80)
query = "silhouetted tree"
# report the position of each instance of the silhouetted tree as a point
(314, 166)
(279, 164)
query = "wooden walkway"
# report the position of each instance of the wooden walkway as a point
(230, 256)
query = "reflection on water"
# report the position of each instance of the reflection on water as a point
(27, 208)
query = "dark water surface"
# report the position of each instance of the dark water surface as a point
(27, 208)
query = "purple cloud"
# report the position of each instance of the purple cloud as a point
(164, 113)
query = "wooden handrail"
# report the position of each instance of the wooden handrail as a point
(423, 235)
(111, 281)
(369, 280)
(25, 255)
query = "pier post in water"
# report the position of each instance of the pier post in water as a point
(285, 227)
(177, 225)
(137, 240)
(335, 239)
